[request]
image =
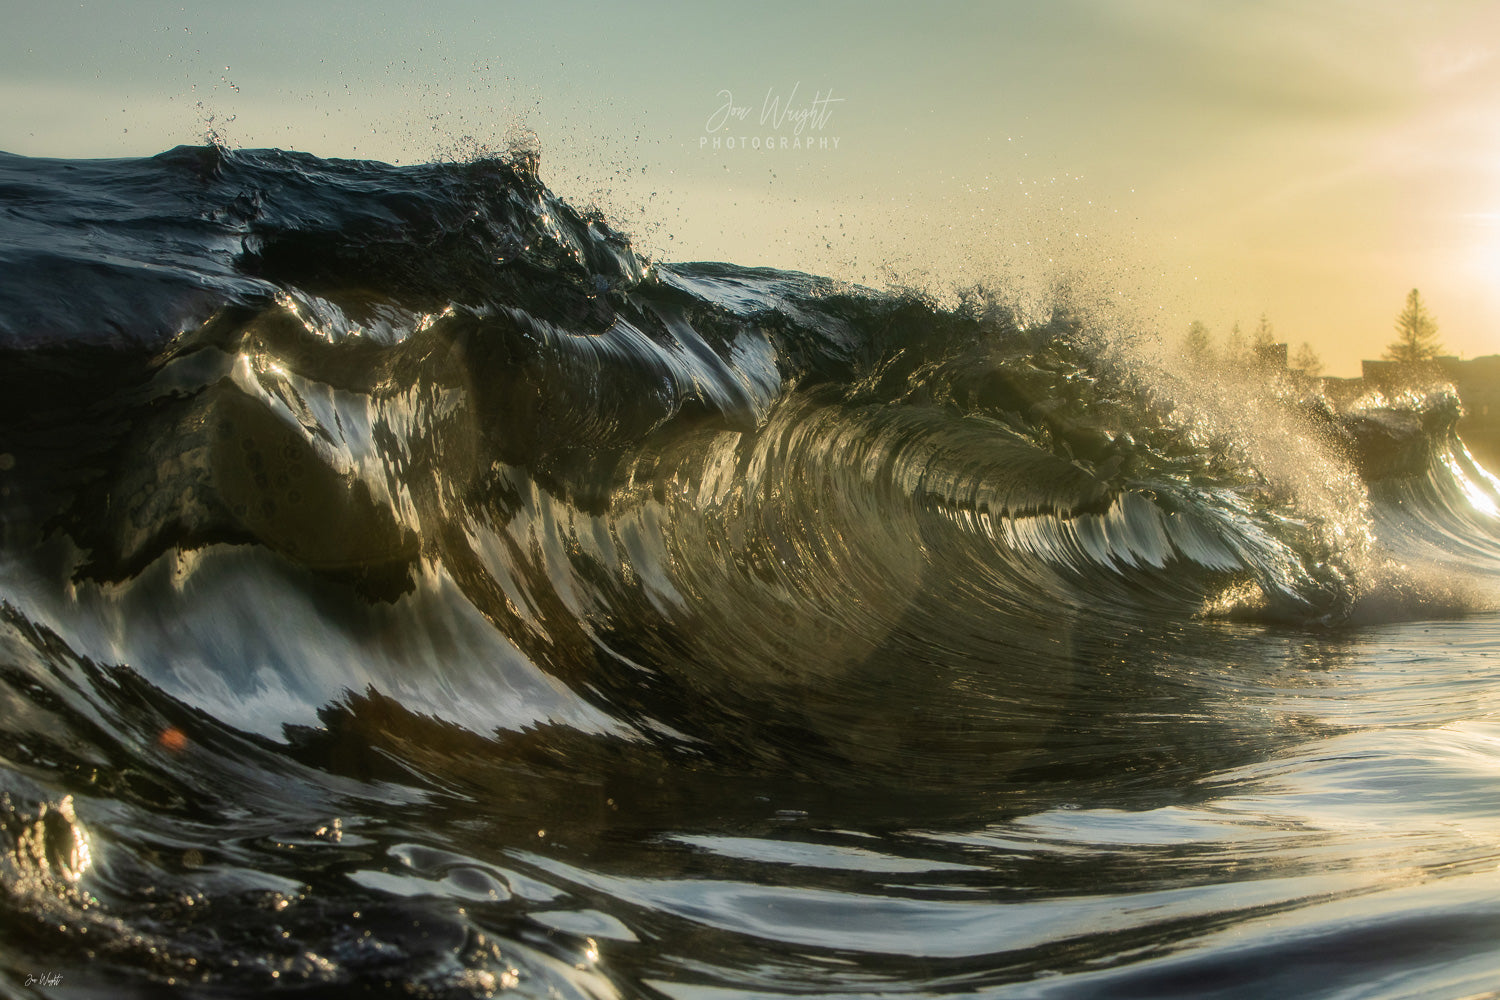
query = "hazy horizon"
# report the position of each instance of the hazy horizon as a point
(1185, 162)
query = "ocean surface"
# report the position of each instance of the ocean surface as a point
(407, 589)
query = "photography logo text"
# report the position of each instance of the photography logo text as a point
(792, 123)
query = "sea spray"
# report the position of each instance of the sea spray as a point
(408, 587)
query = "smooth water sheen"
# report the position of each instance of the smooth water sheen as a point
(408, 590)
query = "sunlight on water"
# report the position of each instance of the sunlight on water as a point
(408, 588)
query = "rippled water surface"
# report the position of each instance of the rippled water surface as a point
(408, 590)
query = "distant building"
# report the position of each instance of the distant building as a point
(1380, 374)
(1272, 356)
(1478, 385)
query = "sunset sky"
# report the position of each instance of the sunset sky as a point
(1312, 162)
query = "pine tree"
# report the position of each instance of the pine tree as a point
(1235, 350)
(1416, 334)
(1197, 345)
(1264, 351)
(1264, 339)
(1306, 360)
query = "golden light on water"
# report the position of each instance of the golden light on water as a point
(52, 849)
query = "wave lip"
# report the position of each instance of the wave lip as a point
(415, 499)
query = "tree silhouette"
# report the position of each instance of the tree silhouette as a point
(1234, 345)
(1197, 344)
(1264, 338)
(1263, 347)
(1416, 334)
(1306, 360)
